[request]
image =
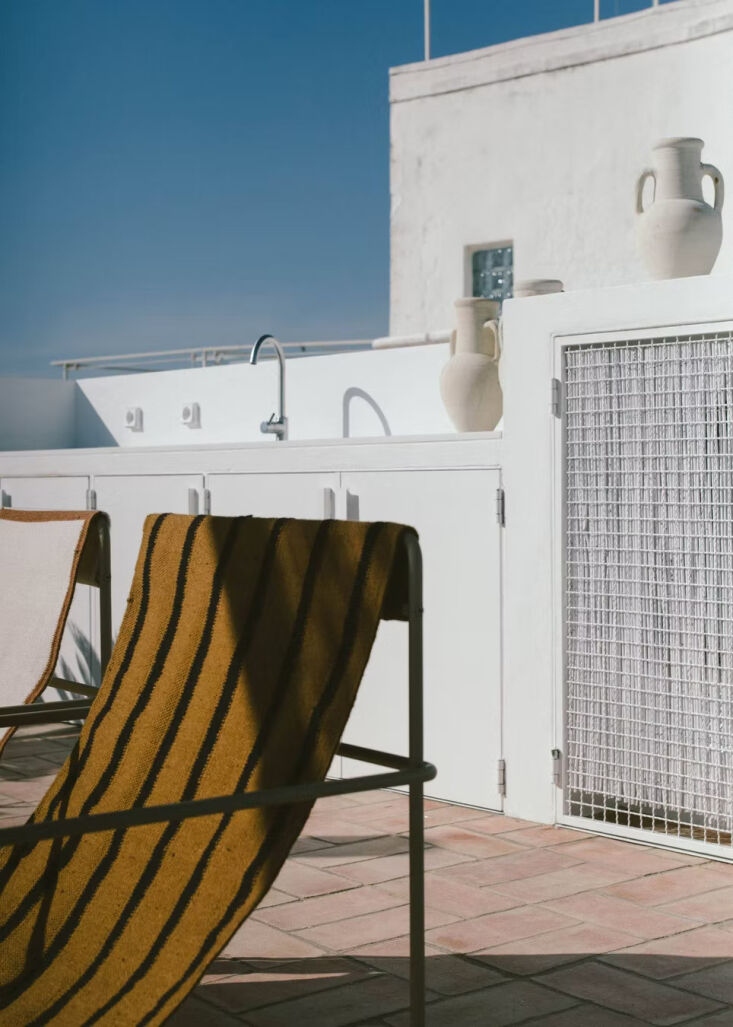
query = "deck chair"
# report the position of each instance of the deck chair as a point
(44, 554)
(236, 667)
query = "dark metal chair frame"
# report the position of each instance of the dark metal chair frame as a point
(411, 770)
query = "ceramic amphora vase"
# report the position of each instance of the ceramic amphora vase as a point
(469, 382)
(679, 234)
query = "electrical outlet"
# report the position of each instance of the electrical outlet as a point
(191, 415)
(134, 418)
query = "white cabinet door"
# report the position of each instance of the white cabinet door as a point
(454, 512)
(128, 499)
(309, 494)
(79, 653)
(46, 493)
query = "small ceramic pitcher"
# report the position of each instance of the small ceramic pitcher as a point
(469, 382)
(679, 234)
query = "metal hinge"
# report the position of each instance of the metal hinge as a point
(91, 499)
(556, 767)
(500, 507)
(556, 397)
(207, 501)
(501, 779)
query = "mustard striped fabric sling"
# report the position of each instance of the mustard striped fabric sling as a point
(236, 667)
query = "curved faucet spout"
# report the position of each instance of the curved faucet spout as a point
(275, 426)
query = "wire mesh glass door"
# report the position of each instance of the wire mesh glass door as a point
(648, 584)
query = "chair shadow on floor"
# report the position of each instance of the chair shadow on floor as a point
(267, 981)
(581, 989)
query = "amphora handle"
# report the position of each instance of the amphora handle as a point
(490, 331)
(489, 339)
(646, 173)
(712, 171)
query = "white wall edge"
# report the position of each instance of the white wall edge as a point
(665, 25)
(480, 451)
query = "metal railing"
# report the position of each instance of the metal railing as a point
(199, 356)
(426, 22)
(597, 8)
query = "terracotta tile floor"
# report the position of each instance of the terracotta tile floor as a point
(525, 924)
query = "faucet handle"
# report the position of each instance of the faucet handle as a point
(269, 427)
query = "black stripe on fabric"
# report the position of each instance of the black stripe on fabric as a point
(328, 694)
(168, 738)
(289, 662)
(47, 880)
(156, 670)
(19, 852)
(194, 776)
(11, 988)
(72, 760)
(271, 839)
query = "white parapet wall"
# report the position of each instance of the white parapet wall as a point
(366, 394)
(36, 413)
(539, 143)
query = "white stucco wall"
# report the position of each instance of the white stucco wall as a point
(540, 142)
(36, 413)
(369, 393)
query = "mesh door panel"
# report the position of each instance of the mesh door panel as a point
(649, 584)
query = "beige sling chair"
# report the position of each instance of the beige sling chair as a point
(43, 556)
(231, 681)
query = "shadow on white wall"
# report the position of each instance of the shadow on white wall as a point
(356, 393)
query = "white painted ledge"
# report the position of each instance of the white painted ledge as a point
(655, 27)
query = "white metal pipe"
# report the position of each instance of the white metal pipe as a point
(209, 350)
(419, 339)
(204, 354)
(426, 24)
(596, 10)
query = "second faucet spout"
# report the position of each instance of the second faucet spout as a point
(277, 426)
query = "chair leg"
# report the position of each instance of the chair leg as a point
(417, 907)
(105, 598)
(417, 825)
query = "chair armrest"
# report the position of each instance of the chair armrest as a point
(75, 687)
(43, 712)
(177, 811)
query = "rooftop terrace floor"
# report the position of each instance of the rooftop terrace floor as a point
(525, 924)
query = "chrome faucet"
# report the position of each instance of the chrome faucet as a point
(277, 426)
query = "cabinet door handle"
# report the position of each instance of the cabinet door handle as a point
(193, 501)
(329, 504)
(352, 506)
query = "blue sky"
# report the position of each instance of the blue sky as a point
(179, 172)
